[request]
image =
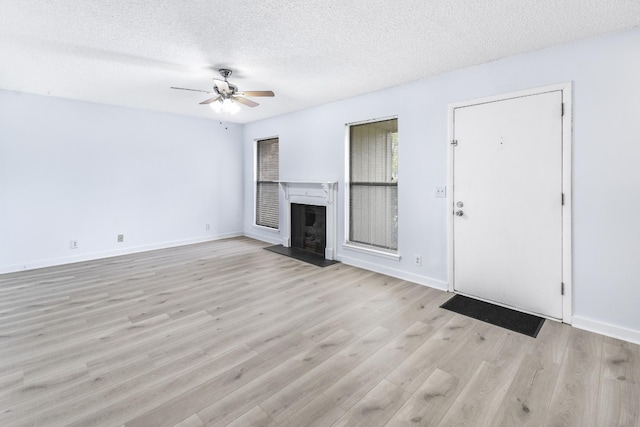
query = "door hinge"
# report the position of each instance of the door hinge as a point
(454, 142)
(562, 109)
(562, 288)
(562, 199)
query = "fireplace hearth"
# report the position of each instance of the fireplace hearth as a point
(302, 255)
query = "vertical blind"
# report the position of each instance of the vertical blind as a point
(267, 200)
(373, 184)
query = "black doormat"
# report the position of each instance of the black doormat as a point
(302, 255)
(513, 320)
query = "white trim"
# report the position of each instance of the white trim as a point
(315, 193)
(276, 240)
(287, 181)
(399, 274)
(52, 262)
(346, 189)
(364, 122)
(268, 229)
(567, 164)
(255, 182)
(328, 187)
(371, 251)
(347, 181)
(511, 95)
(607, 329)
(567, 211)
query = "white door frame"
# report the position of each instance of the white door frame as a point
(567, 272)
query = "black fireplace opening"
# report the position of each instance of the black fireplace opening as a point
(309, 228)
(308, 235)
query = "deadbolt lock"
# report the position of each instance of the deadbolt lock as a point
(459, 204)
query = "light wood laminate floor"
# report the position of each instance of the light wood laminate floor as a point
(226, 333)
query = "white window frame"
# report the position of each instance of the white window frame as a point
(255, 186)
(369, 250)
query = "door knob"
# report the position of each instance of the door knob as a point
(459, 213)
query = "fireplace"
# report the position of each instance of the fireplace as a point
(319, 199)
(308, 227)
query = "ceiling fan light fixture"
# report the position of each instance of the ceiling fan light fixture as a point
(216, 106)
(226, 105)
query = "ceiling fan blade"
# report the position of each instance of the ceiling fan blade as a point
(245, 101)
(222, 85)
(258, 93)
(210, 100)
(194, 90)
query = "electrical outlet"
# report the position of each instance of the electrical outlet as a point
(73, 244)
(120, 238)
(207, 227)
(440, 191)
(417, 259)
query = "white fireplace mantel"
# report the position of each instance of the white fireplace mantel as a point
(317, 193)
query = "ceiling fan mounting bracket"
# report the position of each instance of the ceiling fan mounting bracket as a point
(225, 73)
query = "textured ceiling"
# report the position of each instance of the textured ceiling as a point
(129, 52)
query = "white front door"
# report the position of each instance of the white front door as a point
(507, 202)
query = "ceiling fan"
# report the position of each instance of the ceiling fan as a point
(227, 94)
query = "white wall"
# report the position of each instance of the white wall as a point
(82, 171)
(606, 145)
(88, 172)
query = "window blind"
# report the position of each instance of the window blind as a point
(373, 184)
(267, 192)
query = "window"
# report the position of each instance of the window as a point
(373, 185)
(267, 200)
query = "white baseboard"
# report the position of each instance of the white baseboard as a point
(31, 265)
(399, 274)
(274, 240)
(607, 329)
(421, 280)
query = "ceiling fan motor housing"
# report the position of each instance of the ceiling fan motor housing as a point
(232, 90)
